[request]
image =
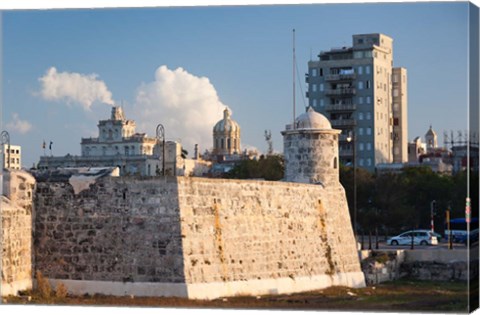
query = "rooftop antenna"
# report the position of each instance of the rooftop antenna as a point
(268, 138)
(293, 80)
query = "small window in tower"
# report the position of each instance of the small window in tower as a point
(335, 163)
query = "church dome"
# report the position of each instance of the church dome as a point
(430, 132)
(312, 120)
(226, 124)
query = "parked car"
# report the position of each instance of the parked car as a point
(420, 237)
(473, 238)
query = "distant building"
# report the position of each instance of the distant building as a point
(12, 157)
(361, 93)
(226, 152)
(460, 154)
(431, 139)
(415, 149)
(118, 144)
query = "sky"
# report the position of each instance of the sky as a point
(181, 66)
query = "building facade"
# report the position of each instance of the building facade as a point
(12, 156)
(353, 87)
(118, 144)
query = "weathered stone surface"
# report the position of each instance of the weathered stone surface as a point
(16, 229)
(195, 231)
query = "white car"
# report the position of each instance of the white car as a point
(420, 237)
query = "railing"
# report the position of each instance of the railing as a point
(341, 107)
(341, 91)
(340, 77)
(343, 122)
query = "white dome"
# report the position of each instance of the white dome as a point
(312, 120)
(226, 124)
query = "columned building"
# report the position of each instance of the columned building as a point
(118, 144)
(362, 94)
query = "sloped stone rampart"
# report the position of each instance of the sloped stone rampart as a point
(194, 237)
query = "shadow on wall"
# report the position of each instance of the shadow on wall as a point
(111, 236)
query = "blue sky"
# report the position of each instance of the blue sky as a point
(245, 52)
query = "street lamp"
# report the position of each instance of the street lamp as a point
(161, 136)
(351, 139)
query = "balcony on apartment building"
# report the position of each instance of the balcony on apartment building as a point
(341, 91)
(340, 107)
(343, 122)
(340, 77)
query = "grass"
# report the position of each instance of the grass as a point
(400, 295)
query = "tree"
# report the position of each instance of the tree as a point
(271, 167)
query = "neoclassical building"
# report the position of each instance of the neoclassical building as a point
(226, 136)
(118, 144)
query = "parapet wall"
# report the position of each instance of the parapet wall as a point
(194, 237)
(16, 232)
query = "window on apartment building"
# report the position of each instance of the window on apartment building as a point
(360, 162)
(368, 115)
(367, 69)
(314, 102)
(357, 54)
(360, 116)
(395, 78)
(369, 146)
(314, 88)
(314, 72)
(368, 54)
(369, 99)
(321, 72)
(368, 84)
(395, 92)
(369, 131)
(395, 121)
(360, 70)
(360, 85)
(321, 87)
(322, 102)
(360, 146)
(360, 100)
(396, 151)
(360, 131)
(396, 107)
(369, 162)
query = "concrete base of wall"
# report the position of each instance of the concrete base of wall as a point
(80, 287)
(208, 291)
(13, 288)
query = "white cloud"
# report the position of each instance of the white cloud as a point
(186, 105)
(71, 87)
(18, 125)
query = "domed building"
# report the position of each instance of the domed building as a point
(226, 136)
(310, 148)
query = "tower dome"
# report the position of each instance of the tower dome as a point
(310, 149)
(226, 135)
(312, 120)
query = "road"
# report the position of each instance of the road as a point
(440, 246)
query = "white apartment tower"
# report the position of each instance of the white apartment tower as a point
(361, 94)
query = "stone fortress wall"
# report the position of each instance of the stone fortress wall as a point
(194, 237)
(16, 232)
